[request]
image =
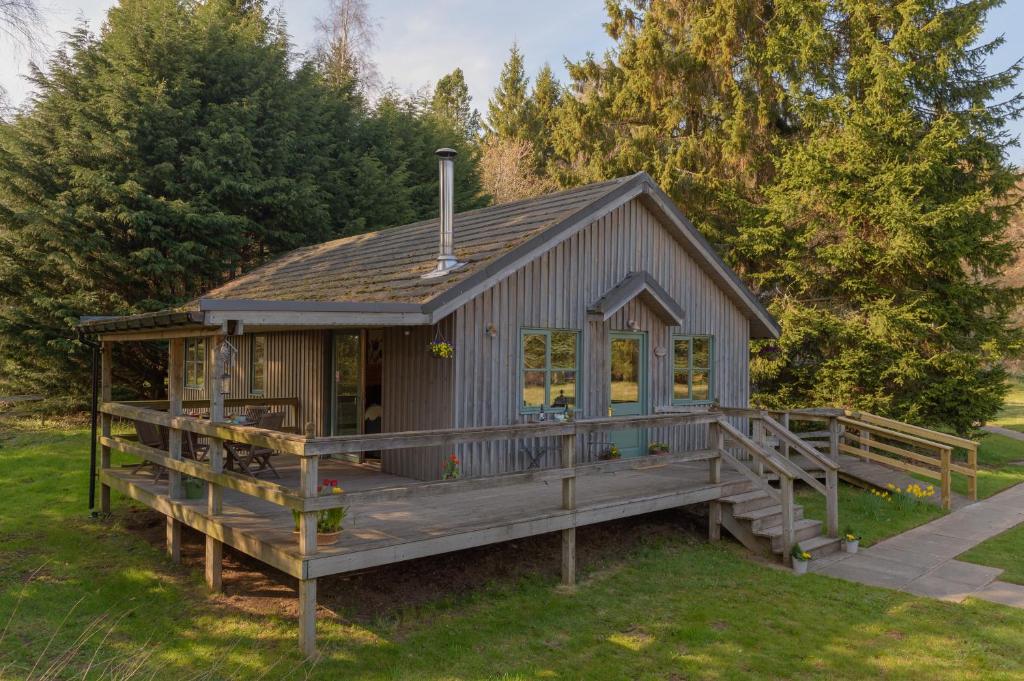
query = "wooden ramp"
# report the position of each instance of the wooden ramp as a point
(869, 474)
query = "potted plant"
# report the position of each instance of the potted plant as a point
(328, 521)
(611, 453)
(450, 470)
(851, 541)
(800, 559)
(658, 448)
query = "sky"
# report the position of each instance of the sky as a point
(421, 40)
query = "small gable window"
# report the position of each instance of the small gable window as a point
(257, 364)
(195, 363)
(549, 364)
(692, 370)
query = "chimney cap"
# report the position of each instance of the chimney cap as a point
(445, 152)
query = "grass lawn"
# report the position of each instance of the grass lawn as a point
(871, 517)
(997, 469)
(86, 599)
(1004, 551)
(1012, 414)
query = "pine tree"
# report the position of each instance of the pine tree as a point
(545, 102)
(887, 228)
(697, 95)
(452, 104)
(509, 113)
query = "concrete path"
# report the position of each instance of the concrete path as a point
(922, 560)
(1005, 432)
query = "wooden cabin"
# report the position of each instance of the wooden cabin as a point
(591, 336)
(597, 301)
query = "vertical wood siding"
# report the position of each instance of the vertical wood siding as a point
(417, 394)
(296, 367)
(555, 291)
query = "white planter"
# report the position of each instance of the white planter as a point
(800, 566)
(851, 546)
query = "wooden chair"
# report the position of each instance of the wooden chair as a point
(154, 436)
(253, 460)
(254, 412)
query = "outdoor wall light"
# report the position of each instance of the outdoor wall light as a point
(491, 331)
(633, 324)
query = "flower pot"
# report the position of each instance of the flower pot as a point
(194, 488)
(328, 538)
(851, 546)
(800, 567)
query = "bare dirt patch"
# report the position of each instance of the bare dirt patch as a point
(383, 593)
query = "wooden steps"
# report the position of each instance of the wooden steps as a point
(755, 519)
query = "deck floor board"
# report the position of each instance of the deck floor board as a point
(378, 532)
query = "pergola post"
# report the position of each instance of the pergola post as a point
(214, 494)
(106, 380)
(175, 393)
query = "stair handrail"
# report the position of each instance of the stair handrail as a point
(785, 469)
(831, 468)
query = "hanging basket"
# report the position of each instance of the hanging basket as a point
(440, 347)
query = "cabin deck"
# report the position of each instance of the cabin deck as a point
(387, 531)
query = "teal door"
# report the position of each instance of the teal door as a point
(627, 388)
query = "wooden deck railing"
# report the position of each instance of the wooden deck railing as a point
(902, 446)
(234, 405)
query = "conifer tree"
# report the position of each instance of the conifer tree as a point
(887, 227)
(545, 101)
(165, 155)
(509, 114)
(849, 161)
(453, 105)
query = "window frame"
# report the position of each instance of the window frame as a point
(691, 369)
(253, 339)
(548, 369)
(195, 363)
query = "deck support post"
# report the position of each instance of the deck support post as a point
(214, 494)
(106, 379)
(716, 442)
(972, 481)
(832, 501)
(946, 454)
(308, 473)
(568, 447)
(786, 489)
(307, 617)
(175, 394)
(834, 436)
(783, 445)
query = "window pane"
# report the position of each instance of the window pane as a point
(625, 370)
(700, 385)
(533, 389)
(563, 388)
(681, 385)
(563, 349)
(701, 353)
(681, 353)
(257, 366)
(534, 351)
